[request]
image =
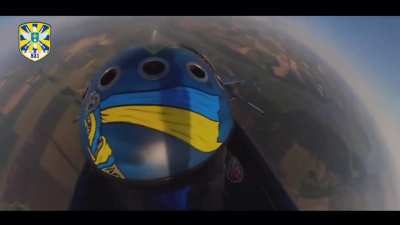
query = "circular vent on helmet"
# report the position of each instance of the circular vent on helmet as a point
(153, 68)
(197, 72)
(108, 78)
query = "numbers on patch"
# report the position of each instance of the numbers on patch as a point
(34, 55)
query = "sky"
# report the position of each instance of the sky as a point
(373, 45)
(365, 51)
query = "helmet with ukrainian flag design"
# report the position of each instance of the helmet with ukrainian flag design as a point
(154, 113)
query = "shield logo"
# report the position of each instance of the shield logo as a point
(34, 40)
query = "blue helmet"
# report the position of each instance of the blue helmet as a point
(154, 113)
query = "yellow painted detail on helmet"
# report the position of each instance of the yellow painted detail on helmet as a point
(104, 151)
(114, 171)
(91, 128)
(194, 129)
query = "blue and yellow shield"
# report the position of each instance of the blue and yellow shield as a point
(34, 40)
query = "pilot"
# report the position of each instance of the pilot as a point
(154, 126)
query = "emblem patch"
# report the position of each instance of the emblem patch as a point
(34, 40)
